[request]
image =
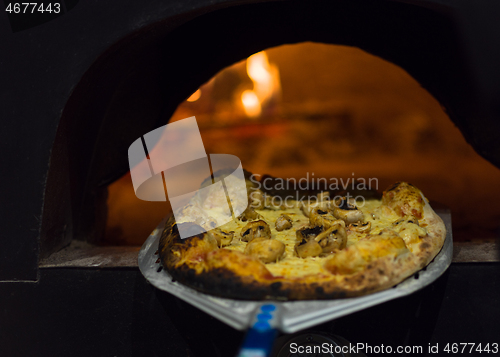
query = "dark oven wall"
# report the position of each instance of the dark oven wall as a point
(80, 88)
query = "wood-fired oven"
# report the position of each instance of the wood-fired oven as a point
(387, 89)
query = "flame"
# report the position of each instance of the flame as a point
(251, 103)
(195, 96)
(266, 84)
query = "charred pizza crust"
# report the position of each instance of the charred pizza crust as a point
(375, 261)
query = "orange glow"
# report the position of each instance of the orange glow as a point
(195, 96)
(251, 103)
(343, 111)
(266, 83)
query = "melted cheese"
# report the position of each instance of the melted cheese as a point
(381, 217)
(289, 265)
(383, 225)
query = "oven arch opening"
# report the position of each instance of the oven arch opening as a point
(149, 73)
(331, 113)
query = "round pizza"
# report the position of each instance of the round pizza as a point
(332, 245)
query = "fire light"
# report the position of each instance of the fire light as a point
(266, 84)
(251, 103)
(195, 96)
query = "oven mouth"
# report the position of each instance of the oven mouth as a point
(159, 71)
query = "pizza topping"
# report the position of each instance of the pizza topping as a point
(323, 196)
(322, 202)
(307, 233)
(261, 200)
(347, 211)
(360, 227)
(346, 204)
(255, 229)
(323, 218)
(385, 213)
(212, 241)
(307, 208)
(319, 240)
(283, 222)
(409, 229)
(257, 199)
(308, 248)
(249, 215)
(223, 238)
(333, 238)
(407, 219)
(267, 250)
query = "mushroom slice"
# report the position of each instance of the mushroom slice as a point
(261, 200)
(307, 208)
(322, 217)
(267, 250)
(257, 199)
(249, 215)
(333, 238)
(283, 222)
(323, 196)
(223, 238)
(255, 229)
(308, 248)
(322, 202)
(360, 227)
(346, 210)
(308, 233)
(407, 219)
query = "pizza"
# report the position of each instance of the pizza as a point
(332, 245)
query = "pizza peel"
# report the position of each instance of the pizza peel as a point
(290, 316)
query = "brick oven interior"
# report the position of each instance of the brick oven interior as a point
(382, 100)
(338, 112)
